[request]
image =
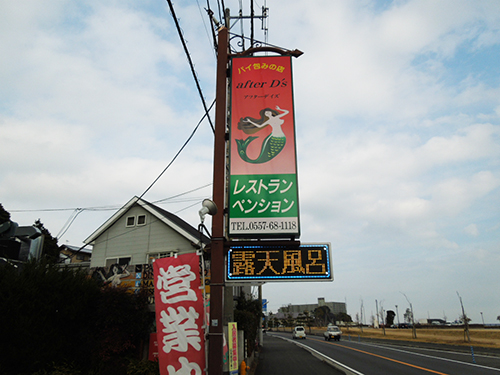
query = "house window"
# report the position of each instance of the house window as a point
(121, 261)
(141, 220)
(130, 221)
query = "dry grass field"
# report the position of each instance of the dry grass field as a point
(479, 337)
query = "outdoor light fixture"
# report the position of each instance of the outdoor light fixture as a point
(209, 207)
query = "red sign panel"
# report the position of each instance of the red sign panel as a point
(179, 315)
(263, 192)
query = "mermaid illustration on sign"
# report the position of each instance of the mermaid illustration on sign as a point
(274, 142)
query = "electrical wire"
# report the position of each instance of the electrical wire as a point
(116, 206)
(188, 56)
(206, 30)
(178, 195)
(178, 152)
(70, 221)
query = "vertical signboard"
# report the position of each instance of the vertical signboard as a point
(179, 315)
(263, 192)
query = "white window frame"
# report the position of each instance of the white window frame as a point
(127, 220)
(145, 220)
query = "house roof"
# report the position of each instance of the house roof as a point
(77, 249)
(173, 221)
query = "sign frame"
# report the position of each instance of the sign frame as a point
(263, 182)
(284, 258)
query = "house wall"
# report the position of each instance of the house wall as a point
(137, 241)
(81, 257)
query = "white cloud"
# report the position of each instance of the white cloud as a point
(471, 143)
(454, 195)
(472, 230)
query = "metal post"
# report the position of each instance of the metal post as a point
(215, 335)
(260, 335)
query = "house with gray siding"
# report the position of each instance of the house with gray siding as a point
(126, 245)
(140, 232)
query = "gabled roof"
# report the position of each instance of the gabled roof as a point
(173, 221)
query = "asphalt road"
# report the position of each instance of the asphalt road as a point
(279, 356)
(370, 358)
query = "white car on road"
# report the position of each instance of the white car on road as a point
(299, 333)
(332, 332)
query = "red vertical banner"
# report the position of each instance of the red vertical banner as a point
(179, 315)
(263, 191)
(233, 348)
(153, 347)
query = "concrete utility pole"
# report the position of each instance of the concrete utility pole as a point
(215, 333)
(413, 329)
(466, 321)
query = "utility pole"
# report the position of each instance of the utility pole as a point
(252, 17)
(466, 321)
(220, 298)
(361, 317)
(215, 332)
(413, 329)
(397, 314)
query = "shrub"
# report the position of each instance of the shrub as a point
(57, 316)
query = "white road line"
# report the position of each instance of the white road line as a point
(331, 361)
(428, 356)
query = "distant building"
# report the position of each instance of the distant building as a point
(439, 322)
(74, 254)
(335, 307)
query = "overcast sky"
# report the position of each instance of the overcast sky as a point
(397, 120)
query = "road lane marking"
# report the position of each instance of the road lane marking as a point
(388, 347)
(324, 357)
(388, 359)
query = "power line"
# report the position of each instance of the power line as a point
(112, 207)
(178, 153)
(188, 56)
(70, 221)
(178, 195)
(205, 25)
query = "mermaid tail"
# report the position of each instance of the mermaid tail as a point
(271, 147)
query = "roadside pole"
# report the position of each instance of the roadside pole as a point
(215, 335)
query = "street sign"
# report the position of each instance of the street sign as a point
(306, 262)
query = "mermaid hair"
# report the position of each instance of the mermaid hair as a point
(249, 128)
